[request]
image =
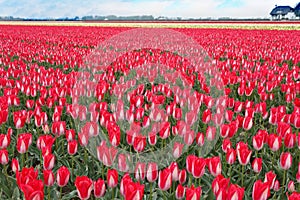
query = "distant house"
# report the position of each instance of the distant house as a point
(297, 10)
(280, 11)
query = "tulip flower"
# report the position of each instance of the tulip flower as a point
(152, 172)
(84, 186)
(214, 165)
(285, 160)
(165, 179)
(3, 156)
(257, 165)
(99, 188)
(112, 178)
(235, 192)
(49, 177)
(193, 193)
(62, 176)
(180, 192)
(261, 191)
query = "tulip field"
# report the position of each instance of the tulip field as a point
(111, 112)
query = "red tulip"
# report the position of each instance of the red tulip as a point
(140, 171)
(258, 141)
(198, 167)
(48, 161)
(26, 175)
(214, 165)
(134, 191)
(235, 192)
(206, 116)
(45, 141)
(226, 144)
(5, 140)
(290, 140)
(15, 165)
(274, 142)
(200, 139)
(248, 123)
(165, 179)
(210, 133)
(62, 176)
(182, 176)
(193, 193)
(152, 172)
(177, 149)
(33, 190)
(270, 178)
(112, 178)
(291, 186)
(84, 186)
(285, 160)
(72, 147)
(49, 178)
(180, 192)
(243, 153)
(3, 156)
(261, 191)
(70, 135)
(99, 188)
(294, 196)
(257, 165)
(230, 156)
(23, 142)
(19, 118)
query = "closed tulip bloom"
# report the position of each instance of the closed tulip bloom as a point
(182, 176)
(276, 186)
(33, 189)
(48, 161)
(134, 191)
(49, 178)
(230, 156)
(177, 149)
(112, 178)
(3, 156)
(72, 147)
(193, 193)
(257, 165)
(258, 142)
(247, 123)
(285, 160)
(99, 188)
(290, 140)
(261, 191)
(152, 172)
(243, 153)
(198, 167)
(215, 165)
(84, 186)
(23, 142)
(15, 165)
(235, 192)
(291, 186)
(270, 178)
(165, 179)
(140, 171)
(274, 142)
(180, 192)
(62, 176)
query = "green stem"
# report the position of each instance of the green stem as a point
(113, 194)
(150, 197)
(243, 171)
(60, 191)
(284, 177)
(49, 197)
(85, 156)
(23, 160)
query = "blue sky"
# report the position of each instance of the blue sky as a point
(171, 8)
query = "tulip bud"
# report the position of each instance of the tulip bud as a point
(62, 176)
